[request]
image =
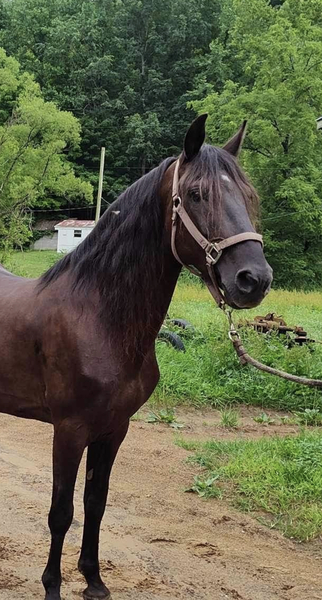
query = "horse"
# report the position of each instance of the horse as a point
(77, 348)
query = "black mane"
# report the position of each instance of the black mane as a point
(122, 257)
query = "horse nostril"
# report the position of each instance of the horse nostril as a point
(246, 281)
(267, 286)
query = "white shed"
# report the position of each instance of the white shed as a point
(71, 233)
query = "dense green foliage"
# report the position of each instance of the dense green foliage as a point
(275, 82)
(134, 73)
(279, 479)
(33, 170)
(124, 68)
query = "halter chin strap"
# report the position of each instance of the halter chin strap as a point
(178, 211)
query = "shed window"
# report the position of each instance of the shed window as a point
(77, 233)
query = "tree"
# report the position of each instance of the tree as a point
(34, 170)
(281, 95)
(124, 69)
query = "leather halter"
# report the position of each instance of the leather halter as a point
(178, 211)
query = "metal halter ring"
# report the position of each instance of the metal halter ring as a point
(209, 257)
(233, 335)
(176, 201)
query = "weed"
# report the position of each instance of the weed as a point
(264, 419)
(286, 420)
(137, 417)
(309, 416)
(205, 488)
(176, 425)
(229, 418)
(165, 416)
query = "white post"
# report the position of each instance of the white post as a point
(100, 185)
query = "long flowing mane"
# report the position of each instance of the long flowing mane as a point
(122, 257)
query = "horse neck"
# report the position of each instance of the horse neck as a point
(163, 292)
(170, 267)
(145, 327)
(166, 287)
(137, 293)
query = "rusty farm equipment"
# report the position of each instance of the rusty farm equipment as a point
(272, 322)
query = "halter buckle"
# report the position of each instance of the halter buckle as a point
(176, 200)
(210, 259)
(176, 203)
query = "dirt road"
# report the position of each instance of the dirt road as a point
(157, 543)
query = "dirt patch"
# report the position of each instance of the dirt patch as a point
(157, 542)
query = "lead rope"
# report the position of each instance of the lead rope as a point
(244, 357)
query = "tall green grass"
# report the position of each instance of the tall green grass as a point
(278, 479)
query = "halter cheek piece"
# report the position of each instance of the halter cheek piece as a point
(213, 250)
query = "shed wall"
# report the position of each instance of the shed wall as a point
(67, 240)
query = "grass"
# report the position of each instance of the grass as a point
(208, 373)
(278, 479)
(32, 263)
(229, 418)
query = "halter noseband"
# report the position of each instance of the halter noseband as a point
(209, 247)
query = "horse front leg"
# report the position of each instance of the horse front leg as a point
(68, 448)
(100, 459)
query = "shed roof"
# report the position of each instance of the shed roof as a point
(75, 224)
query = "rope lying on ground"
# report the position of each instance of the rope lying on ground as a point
(245, 358)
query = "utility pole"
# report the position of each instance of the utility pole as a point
(100, 186)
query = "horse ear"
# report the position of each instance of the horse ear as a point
(234, 145)
(195, 137)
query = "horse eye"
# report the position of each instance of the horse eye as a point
(194, 195)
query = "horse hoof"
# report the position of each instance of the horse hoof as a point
(96, 595)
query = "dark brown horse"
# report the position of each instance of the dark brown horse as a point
(77, 347)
